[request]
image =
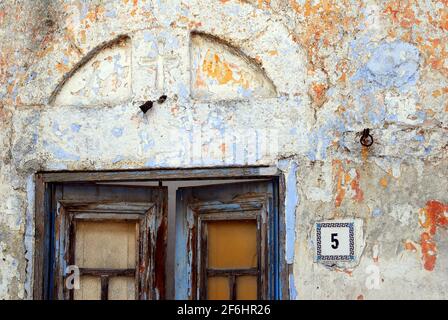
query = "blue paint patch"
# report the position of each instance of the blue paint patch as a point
(377, 212)
(245, 93)
(117, 132)
(322, 138)
(118, 68)
(60, 153)
(151, 163)
(31, 77)
(117, 159)
(75, 127)
(291, 201)
(146, 140)
(170, 42)
(111, 13)
(182, 91)
(292, 288)
(392, 64)
(419, 138)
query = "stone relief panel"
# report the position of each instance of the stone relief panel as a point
(102, 77)
(220, 71)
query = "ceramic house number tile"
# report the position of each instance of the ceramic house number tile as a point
(337, 240)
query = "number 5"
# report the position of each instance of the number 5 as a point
(334, 241)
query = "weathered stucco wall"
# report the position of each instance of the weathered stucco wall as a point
(299, 76)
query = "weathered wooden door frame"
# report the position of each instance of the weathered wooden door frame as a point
(45, 182)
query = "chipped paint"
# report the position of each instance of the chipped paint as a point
(433, 216)
(291, 202)
(243, 78)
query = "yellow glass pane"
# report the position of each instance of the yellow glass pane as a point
(232, 244)
(246, 288)
(106, 244)
(89, 288)
(218, 288)
(121, 288)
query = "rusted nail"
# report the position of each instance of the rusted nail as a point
(146, 106)
(366, 138)
(162, 99)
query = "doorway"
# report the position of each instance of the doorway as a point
(161, 234)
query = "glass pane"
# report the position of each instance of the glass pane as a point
(218, 288)
(232, 244)
(106, 244)
(89, 288)
(121, 288)
(246, 288)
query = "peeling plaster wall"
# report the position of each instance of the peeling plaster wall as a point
(288, 83)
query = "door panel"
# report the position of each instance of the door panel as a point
(224, 231)
(115, 236)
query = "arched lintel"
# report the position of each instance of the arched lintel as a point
(84, 60)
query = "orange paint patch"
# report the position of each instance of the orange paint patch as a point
(225, 73)
(434, 215)
(2, 16)
(223, 148)
(83, 36)
(264, 3)
(413, 23)
(364, 153)
(215, 68)
(402, 13)
(443, 24)
(359, 194)
(199, 82)
(175, 110)
(429, 251)
(436, 93)
(62, 68)
(10, 87)
(360, 297)
(323, 23)
(384, 182)
(340, 181)
(344, 182)
(342, 68)
(318, 93)
(95, 14)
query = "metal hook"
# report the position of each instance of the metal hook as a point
(366, 138)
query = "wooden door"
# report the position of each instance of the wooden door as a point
(228, 231)
(113, 237)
